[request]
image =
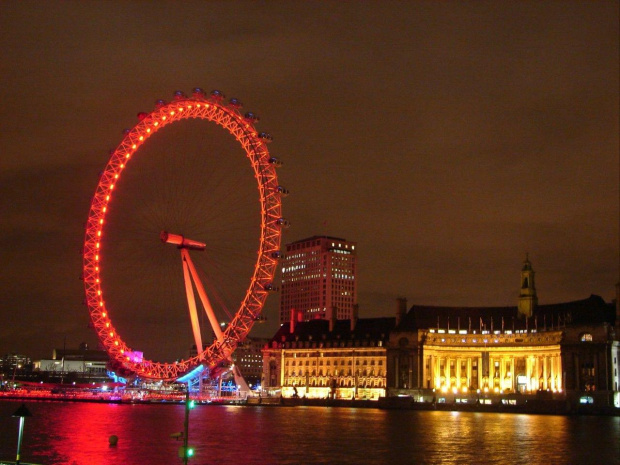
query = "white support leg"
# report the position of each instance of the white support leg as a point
(203, 297)
(191, 302)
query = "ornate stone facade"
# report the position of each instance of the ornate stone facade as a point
(343, 359)
(567, 351)
(569, 348)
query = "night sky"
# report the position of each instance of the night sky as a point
(446, 138)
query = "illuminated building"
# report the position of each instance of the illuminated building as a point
(318, 279)
(248, 357)
(338, 359)
(12, 362)
(460, 352)
(80, 365)
(14, 366)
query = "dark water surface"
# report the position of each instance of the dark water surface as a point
(78, 433)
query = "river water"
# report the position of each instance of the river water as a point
(64, 433)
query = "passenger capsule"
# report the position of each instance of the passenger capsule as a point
(142, 115)
(265, 136)
(283, 222)
(217, 95)
(126, 131)
(270, 287)
(235, 103)
(160, 103)
(179, 94)
(251, 117)
(282, 190)
(198, 92)
(276, 162)
(277, 254)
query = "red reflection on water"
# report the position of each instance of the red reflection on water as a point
(78, 434)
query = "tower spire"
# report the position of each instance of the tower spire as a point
(527, 293)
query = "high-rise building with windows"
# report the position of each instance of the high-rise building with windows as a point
(248, 357)
(318, 280)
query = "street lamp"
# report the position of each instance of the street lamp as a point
(186, 452)
(22, 412)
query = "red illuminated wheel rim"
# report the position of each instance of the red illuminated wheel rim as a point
(210, 108)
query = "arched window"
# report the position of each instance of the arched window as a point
(586, 337)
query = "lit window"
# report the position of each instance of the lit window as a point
(586, 337)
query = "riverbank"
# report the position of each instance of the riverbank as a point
(112, 398)
(526, 406)
(13, 463)
(26, 396)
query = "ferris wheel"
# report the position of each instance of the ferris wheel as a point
(161, 229)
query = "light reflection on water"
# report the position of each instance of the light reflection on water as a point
(77, 434)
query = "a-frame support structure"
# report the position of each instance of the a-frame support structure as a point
(192, 280)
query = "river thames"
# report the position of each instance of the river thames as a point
(65, 433)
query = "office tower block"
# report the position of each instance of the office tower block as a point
(318, 280)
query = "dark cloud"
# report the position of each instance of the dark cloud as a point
(446, 138)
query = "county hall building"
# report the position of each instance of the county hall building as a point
(458, 354)
(455, 354)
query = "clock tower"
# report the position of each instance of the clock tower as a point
(527, 294)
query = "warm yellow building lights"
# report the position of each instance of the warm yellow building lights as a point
(500, 363)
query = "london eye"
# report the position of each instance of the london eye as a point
(178, 213)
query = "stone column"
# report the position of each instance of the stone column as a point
(431, 370)
(282, 356)
(502, 371)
